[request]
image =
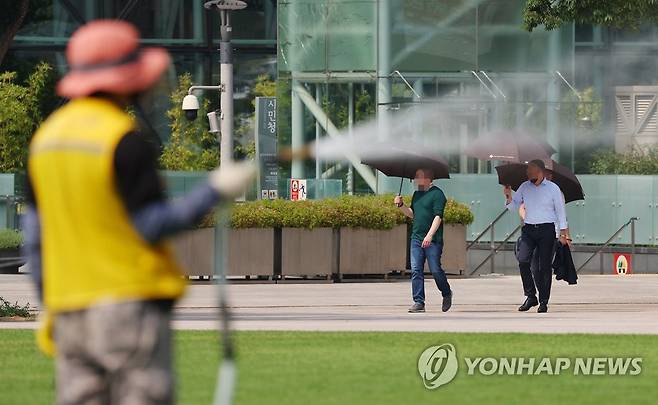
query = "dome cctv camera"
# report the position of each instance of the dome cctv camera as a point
(190, 106)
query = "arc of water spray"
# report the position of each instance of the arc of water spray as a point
(484, 84)
(333, 132)
(573, 89)
(493, 84)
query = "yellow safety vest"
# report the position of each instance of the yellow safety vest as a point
(91, 253)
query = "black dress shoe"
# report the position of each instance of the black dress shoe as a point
(542, 308)
(447, 302)
(529, 303)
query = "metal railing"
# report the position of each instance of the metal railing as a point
(493, 249)
(489, 227)
(599, 250)
(13, 204)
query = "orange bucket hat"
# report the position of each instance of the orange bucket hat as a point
(105, 56)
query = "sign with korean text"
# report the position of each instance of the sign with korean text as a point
(266, 148)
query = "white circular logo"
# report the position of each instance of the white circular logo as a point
(622, 265)
(437, 365)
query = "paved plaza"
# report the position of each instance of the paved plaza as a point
(598, 304)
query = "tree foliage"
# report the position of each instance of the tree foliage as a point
(637, 162)
(264, 87)
(614, 13)
(20, 115)
(191, 147)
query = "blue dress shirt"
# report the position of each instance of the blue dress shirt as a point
(543, 203)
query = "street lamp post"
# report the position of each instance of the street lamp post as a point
(224, 7)
(225, 87)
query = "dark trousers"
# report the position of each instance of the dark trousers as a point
(537, 240)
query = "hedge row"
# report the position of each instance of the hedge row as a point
(371, 212)
(10, 239)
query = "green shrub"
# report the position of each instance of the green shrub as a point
(371, 212)
(191, 147)
(458, 213)
(8, 309)
(10, 239)
(633, 162)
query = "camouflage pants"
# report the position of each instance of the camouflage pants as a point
(117, 353)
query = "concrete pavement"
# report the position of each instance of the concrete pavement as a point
(598, 304)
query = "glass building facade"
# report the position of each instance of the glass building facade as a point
(469, 61)
(385, 59)
(184, 27)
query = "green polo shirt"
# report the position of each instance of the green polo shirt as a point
(426, 205)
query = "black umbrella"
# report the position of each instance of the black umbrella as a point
(514, 174)
(510, 147)
(404, 163)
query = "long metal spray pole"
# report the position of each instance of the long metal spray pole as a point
(227, 374)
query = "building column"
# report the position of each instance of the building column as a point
(384, 23)
(553, 94)
(350, 125)
(318, 130)
(383, 64)
(297, 129)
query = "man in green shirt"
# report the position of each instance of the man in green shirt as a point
(427, 206)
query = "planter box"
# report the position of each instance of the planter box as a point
(368, 251)
(250, 252)
(307, 252)
(12, 258)
(195, 251)
(317, 252)
(454, 248)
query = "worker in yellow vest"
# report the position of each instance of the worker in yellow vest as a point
(97, 221)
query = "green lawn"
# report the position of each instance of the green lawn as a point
(366, 368)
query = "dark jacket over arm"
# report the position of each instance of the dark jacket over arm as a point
(563, 266)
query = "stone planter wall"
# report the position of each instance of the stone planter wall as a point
(368, 251)
(318, 252)
(454, 248)
(9, 263)
(250, 252)
(307, 252)
(195, 252)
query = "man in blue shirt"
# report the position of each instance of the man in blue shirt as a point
(544, 208)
